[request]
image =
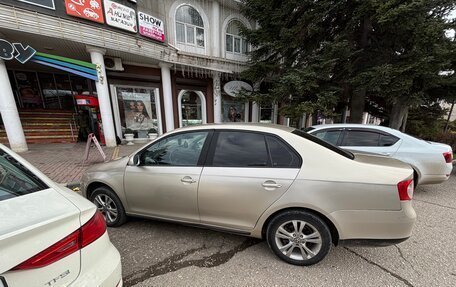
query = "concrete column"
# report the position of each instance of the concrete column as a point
(167, 95)
(10, 115)
(217, 93)
(215, 29)
(96, 54)
(255, 106)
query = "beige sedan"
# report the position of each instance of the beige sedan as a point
(299, 193)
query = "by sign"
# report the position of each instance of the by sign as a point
(234, 87)
(49, 4)
(151, 27)
(89, 10)
(8, 51)
(120, 16)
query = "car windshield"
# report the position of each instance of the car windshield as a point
(327, 145)
(15, 179)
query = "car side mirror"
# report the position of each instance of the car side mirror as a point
(134, 160)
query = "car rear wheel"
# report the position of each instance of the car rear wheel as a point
(299, 237)
(109, 205)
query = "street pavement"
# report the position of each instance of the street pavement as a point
(164, 254)
(65, 163)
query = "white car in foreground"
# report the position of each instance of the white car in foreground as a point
(432, 162)
(49, 235)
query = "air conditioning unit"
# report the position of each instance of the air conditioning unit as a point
(113, 64)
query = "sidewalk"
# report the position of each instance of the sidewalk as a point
(63, 162)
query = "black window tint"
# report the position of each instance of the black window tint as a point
(240, 149)
(281, 155)
(15, 179)
(388, 140)
(331, 136)
(361, 138)
(178, 150)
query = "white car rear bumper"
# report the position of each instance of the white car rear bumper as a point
(100, 265)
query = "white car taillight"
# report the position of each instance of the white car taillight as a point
(405, 189)
(77, 240)
(448, 157)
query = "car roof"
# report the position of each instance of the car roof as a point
(362, 126)
(238, 126)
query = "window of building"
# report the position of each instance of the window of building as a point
(191, 109)
(266, 114)
(137, 109)
(235, 43)
(189, 26)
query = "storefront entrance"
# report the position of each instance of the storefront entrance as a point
(137, 109)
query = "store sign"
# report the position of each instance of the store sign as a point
(151, 27)
(90, 10)
(234, 87)
(49, 4)
(8, 51)
(120, 16)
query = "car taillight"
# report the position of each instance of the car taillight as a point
(77, 240)
(448, 157)
(405, 189)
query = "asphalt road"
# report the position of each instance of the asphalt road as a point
(162, 254)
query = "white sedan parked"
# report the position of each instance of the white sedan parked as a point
(432, 162)
(50, 236)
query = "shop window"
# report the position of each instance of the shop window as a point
(50, 94)
(235, 43)
(189, 26)
(64, 91)
(233, 111)
(28, 89)
(191, 108)
(137, 109)
(266, 114)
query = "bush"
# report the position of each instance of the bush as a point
(446, 138)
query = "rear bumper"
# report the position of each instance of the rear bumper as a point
(434, 178)
(100, 265)
(371, 242)
(379, 225)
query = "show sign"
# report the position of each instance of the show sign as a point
(90, 10)
(151, 27)
(49, 4)
(120, 16)
(8, 51)
(234, 87)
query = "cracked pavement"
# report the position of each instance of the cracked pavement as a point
(164, 254)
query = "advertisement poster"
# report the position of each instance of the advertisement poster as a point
(120, 16)
(87, 9)
(151, 27)
(138, 110)
(233, 111)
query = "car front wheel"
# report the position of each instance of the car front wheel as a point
(109, 205)
(299, 237)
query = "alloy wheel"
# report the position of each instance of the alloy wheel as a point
(107, 207)
(298, 240)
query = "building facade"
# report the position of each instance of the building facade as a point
(129, 66)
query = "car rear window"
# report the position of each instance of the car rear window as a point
(15, 179)
(327, 145)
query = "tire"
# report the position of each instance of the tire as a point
(109, 204)
(298, 248)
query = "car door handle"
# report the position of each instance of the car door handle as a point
(187, 179)
(271, 184)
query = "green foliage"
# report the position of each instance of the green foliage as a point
(313, 54)
(426, 121)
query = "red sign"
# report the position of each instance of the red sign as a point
(86, 9)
